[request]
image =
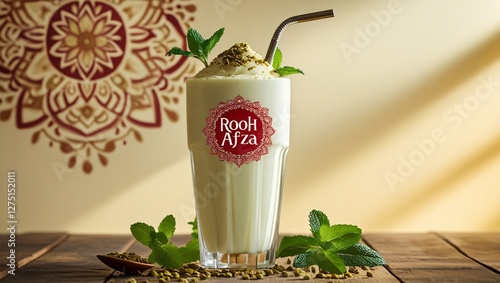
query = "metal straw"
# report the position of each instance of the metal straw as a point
(292, 20)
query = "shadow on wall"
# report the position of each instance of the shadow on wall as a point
(343, 147)
(397, 212)
(496, 221)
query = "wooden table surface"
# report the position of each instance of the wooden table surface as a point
(425, 257)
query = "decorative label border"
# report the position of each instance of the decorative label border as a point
(239, 103)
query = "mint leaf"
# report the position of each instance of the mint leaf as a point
(329, 233)
(152, 257)
(194, 40)
(331, 247)
(278, 57)
(316, 220)
(210, 43)
(190, 252)
(194, 228)
(162, 250)
(332, 263)
(290, 246)
(142, 233)
(193, 245)
(340, 236)
(199, 47)
(327, 260)
(301, 260)
(287, 70)
(162, 238)
(168, 255)
(167, 226)
(361, 255)
(195, 44)
(178, 51)
(152, 235)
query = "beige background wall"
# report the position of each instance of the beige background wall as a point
(395, 126)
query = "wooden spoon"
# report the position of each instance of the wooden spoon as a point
(126, 266)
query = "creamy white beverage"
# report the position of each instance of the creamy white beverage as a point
(238, 136)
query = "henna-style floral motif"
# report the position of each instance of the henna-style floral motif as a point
(87, 75)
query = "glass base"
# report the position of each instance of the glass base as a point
(237, 260)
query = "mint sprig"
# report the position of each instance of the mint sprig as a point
(199, 47)
(163, 251)
(286, 70)
(331, 247)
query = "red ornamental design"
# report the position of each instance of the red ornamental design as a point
(89, 74)
(239, 131)
(87, 41)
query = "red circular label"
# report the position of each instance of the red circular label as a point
(239, 131)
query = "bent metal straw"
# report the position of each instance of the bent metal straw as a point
(292, 20)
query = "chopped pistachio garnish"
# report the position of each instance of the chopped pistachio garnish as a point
(235, 56)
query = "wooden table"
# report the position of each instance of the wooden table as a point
(426, 257)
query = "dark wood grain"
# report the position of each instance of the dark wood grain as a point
(424, 257)
(28, 247)
(428, 258)
(74, 260)
(482, 247)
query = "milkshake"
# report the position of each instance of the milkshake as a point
(238, 136)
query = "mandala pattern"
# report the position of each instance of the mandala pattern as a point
(87, 75)
(246, 135)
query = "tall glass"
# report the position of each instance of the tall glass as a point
(238, 137)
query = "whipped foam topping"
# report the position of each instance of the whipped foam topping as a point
(239, 60)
